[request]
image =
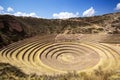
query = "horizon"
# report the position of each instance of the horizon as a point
(56, 18)
(61, 9)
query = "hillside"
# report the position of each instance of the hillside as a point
(86, 48)
(14, 28)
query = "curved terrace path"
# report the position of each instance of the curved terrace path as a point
(45, 56)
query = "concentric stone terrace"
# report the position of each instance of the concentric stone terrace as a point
(45, 56)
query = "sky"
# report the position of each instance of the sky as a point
(58, 8)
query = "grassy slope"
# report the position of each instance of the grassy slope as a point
(33, 26)
(9, 72)
(10, 26)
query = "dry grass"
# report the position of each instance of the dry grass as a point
(42, 58)
(8, 72)
(45, 56)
